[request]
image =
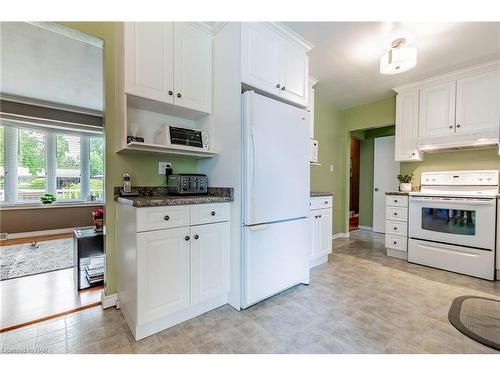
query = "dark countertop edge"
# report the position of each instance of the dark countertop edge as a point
(396, 193)
(157, 201)
(315, 194)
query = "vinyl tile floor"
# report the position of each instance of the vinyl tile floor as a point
(361, 301)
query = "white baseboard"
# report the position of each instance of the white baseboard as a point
(109, 301)
(41, 233)
(340, 235)
(363, 227)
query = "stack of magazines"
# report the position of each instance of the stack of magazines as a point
(94, 271)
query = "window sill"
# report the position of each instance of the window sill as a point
(35, 206)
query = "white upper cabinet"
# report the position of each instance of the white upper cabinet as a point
(149, 62)
(310, 106)
(193, 68)
(294, 71)
(437, 110)
(260, 62)
(274, 63)
(407, 127)
(170, 63)
(478, 103)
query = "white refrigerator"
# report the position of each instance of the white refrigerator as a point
(275, 197)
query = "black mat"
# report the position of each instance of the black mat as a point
(477, 318)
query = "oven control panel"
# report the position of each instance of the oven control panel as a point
(462, 178)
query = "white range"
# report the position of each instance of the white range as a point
(452, 222)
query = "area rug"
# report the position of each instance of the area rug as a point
(477, 318)
(27, 259)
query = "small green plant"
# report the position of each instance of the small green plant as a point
(47, 198)
(405, 178)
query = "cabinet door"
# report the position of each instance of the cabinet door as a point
(478, 102)
(294, 73)
(407, 127)
(149, 60)
(314, 232)
(437, 110)
(325, 239)
(193, 68)
(260, 65)
(162, 273)
(209, 261)
(310, 107)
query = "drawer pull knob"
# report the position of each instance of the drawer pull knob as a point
(395, 214)
(166, 217)
(326, 202)
(395, 201)
(394, 242)
(196, 236)
(186, 238)
(212, 213)
(395, 228)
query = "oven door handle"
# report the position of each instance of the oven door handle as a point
(489, 202)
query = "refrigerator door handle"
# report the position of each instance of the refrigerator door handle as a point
(254, 162)
(257, 227)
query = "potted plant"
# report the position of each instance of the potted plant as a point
(47, 198)
(98, 217)
(405, 182)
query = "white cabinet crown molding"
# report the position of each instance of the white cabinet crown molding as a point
(454, 75)
(211, 28)
(290, 35)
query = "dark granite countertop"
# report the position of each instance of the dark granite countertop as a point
(320, 193)
(396, 193)
(157, 196)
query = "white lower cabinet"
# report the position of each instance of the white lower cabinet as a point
(209, 261)
(320, 224)
(396, 226)
(162, 273)
(167, 276)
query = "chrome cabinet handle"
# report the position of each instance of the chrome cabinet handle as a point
(186, 238)
(376, 189)
(212, 213)
(179, 95)
(166, 217)
(170, 92)
(458, 125)
(283, 88)
(196, 236)
(278, 86)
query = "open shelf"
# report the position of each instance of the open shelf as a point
(167, 150)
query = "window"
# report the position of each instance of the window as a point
(36, 160)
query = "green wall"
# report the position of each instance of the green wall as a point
(327, 131)
(454, 160)
(143, 168)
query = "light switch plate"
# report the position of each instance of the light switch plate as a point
(162, 165)
(331, 168)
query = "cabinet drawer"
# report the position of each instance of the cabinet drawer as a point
(398, 228)
(321, 202)
(396, 213)
(396, 242)
(154, 218)
(209, 213)
(396, 200)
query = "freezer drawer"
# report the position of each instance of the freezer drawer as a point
(469, 261)
(276, 257)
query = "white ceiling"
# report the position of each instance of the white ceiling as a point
(42, 63)
(345, 57)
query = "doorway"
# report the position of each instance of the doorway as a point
(51, 171)
(354, 184)
(362, 171)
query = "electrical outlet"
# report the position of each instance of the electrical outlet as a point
(4, 236)
(162, 165)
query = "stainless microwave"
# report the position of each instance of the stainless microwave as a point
(170, 135)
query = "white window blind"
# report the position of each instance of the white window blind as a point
(37, 160)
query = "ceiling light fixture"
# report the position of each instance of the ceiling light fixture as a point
(398, 59)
